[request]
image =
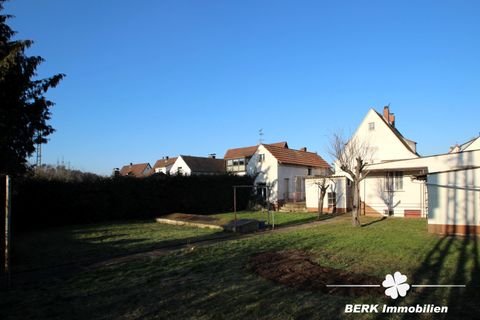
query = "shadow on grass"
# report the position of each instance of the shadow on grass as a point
(329, 216)
(452, 261)
(373, 222)
(73, 254)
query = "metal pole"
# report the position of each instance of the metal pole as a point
(7, 227)
(235, 208)
(273, 212)
(268, 206)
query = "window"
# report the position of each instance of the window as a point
(236, 165)
(261, 157)
(394, 181)
(179, 171)
(332, 199)
(309, 172)
(371, 126)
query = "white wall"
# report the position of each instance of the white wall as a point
(337, 185)
(411, 197)
(267, 171)
(454, 198)
(180, 163)
(164, 170)
(383, 144)
(474, 146)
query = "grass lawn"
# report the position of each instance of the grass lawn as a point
(215, 282)
(281, 218)
(59, 246)
(85, 243)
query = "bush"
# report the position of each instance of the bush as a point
(39, 202)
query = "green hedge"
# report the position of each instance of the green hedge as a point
(39, 203)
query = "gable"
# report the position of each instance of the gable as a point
(164, 163)
(384, 140)
(475, 145)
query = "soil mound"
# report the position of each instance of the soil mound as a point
(295, 268)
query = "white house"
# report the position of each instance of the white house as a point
(164, 165)
(385, 192)
(276, 166)
(189, 165)
(453, 184)
(238, 158)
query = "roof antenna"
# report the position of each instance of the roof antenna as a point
(260, 136)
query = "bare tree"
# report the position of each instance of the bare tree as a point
(323, 184)
(351, 156)
(322, 187)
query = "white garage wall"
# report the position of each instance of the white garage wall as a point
(454, 198)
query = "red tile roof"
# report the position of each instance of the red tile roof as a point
(163, 163)
(296, 157)
(135, 170)
(249, 151)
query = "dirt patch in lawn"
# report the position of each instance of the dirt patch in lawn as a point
(295, 268)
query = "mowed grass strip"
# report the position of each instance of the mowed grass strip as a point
(281, 219)
(80, 244)
(88, 243)
(215, 282)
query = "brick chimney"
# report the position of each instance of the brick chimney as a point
(304, 149)
(389, 117)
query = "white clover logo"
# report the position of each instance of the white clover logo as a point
(396, 285)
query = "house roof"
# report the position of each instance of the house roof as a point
(245, 152)
(201, 164)
(163, 163)
(464, 146)
(398, 134)
(134, 170)
(296, 157)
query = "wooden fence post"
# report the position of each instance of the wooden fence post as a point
(8, 203)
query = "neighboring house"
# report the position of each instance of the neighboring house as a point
(444, 188)
(164, 165)
(189, 165)
(238, 158)
(276, 166)
(392, 191)
(138, 170)
(453, 184)
(472, 144)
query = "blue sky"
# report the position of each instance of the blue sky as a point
(149, 78)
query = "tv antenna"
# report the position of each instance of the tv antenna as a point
(260, 136)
